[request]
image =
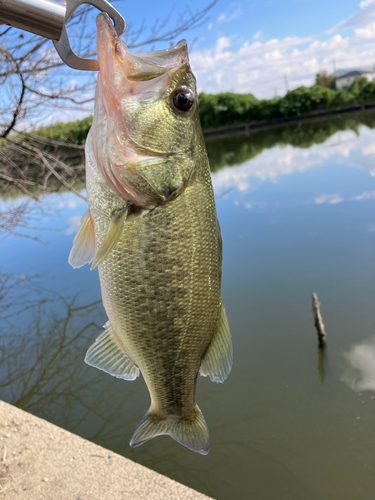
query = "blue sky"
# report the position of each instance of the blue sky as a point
(245, 18)
(254, 47)
(258, 47)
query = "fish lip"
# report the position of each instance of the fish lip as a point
(106, 28)
(142, 66)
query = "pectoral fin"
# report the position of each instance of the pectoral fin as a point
(83, 249)
(218, 360)
(107, 354)
(113, 234)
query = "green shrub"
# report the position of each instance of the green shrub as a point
(227, 108)
(71, 132)
(358, 84)
(305, 100)
(367, 93)
(218, 110)
(343, 98)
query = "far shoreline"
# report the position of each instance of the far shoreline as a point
(256, 126)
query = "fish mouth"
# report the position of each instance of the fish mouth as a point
(124, 145)
(114, 56)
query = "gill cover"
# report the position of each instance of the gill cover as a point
(141, 143)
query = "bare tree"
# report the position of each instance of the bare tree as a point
(34, 82)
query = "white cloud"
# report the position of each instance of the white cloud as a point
(255, 205)
(225, 18)
(260, 67)
(365, 14)
(331, 199)
(365, 3)
(367, 195)
(367, 33)
(360, 375)
(221, 18)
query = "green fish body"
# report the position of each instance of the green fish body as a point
(152, 231)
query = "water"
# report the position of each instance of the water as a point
(296, 207)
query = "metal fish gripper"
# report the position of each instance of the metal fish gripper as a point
(48, 18)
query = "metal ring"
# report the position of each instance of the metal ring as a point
(63, 46)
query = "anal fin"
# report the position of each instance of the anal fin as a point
(83, 249)
(218, 360)
(107, 354)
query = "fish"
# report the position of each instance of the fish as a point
(151, 230)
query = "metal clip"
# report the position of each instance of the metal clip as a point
(63, 46)
(48, 18)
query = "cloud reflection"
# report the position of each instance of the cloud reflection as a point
(268, 165)
(360, 374)
(350, 149)
(73, 224)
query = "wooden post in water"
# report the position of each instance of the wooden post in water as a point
(318, 320)
(321, 363)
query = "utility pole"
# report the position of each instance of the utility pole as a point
(286, 82)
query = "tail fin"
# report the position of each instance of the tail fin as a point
(190, 431)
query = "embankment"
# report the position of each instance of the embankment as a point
(39, 461)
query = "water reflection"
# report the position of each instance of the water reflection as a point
(235, 150)
(285, 234)
(267, 155)
(360, 375)
(42, 371)
(41, 358)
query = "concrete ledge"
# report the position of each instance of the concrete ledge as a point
(39, 461)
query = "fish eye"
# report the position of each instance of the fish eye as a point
(183, 99)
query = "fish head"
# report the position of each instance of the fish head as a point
(146, 130)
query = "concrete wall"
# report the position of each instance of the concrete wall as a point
(39, 461)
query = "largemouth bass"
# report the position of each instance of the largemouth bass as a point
(151, 229)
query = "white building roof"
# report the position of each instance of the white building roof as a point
(344, 73)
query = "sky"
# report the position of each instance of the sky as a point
(266, 47)
(262, 47)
